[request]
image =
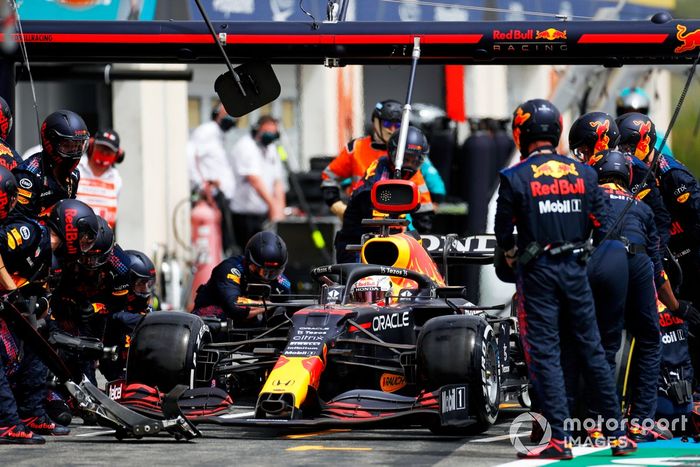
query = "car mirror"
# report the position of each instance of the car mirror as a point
(258, 291)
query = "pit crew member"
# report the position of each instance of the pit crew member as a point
(555, 203)
(360, 204)
(263, 261)
(51, 175)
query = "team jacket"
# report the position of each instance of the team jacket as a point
(681, 194)
(227, 283)
(650, 194)
(352, 163)
(106, 287)
(360, 204)
(38, 188)
(637, 226)
(551, 198)
(9, 158)
(25, 246)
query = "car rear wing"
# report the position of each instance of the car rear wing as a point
(452, 249)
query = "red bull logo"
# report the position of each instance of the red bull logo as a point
(642, 149)
(71, 232)
(520, 117)
(689, 40)
(601, 130)
(5, 124)
(558, 187)
(554, 169)
(551, 34)
(595, 158)
(513, 35)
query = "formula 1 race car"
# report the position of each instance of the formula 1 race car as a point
(418, 354)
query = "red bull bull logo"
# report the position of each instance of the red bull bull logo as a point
(520, 117)
(551, 34)
(595, 158)
(689, 40)
(642, 149)
(554, 169)
(601, 130)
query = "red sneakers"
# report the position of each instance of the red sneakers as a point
(622, 446)
(44, 426)
(555, 449)
(641, 435)
(19, 434)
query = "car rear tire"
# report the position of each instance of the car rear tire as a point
(460, 349)
(163, 350)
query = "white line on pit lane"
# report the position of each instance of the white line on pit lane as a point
(493, 439)
(238, 415)
(96, 433)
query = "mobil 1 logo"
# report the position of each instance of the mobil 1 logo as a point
(453, 405)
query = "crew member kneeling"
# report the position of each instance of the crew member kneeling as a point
(263, 261)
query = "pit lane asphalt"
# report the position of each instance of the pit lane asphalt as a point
(91, 446)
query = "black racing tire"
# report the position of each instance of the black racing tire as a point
(163, 350)
(460, 349)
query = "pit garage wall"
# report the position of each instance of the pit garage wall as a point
(151, 117)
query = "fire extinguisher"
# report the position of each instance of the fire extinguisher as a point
(206, 240)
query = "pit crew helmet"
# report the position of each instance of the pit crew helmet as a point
(592, 133)
(100, 251)
(613, 165)
(637, 135)
(266, 256)
(417, 149)
(8, 192)
(142, 274)
(64, 139)
(632, 99)
(536, 120)
(386, 119)
(75, 224)
(370, 289)
(5, 119)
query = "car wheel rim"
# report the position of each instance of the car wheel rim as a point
(490, 376)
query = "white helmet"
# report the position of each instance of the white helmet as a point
(370, 289)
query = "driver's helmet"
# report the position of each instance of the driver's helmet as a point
(370, 289)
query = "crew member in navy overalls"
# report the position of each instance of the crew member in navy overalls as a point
(555, 203)
(681, 195)
(263, 261)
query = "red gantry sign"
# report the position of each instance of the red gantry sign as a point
(611, 43)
